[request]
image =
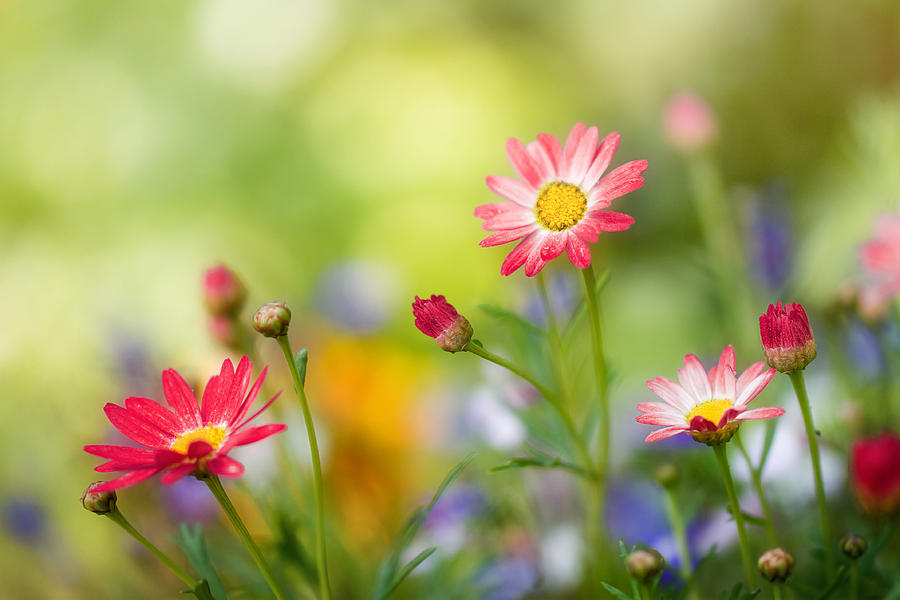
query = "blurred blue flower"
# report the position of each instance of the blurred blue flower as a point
(24, 519)
(188, 500)
(458, 504)
(563, 298)
(634, 512)
(508, 579)
(357, 295)
(864, 350)
(769, 235)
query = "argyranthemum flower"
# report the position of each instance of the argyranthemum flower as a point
(710, 406)
(559, 201)
(191, 438)
(787, 339)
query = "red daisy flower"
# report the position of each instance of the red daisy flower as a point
(559, 201)
(192, 438)
(876, 473)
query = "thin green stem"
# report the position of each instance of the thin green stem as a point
(552, 398)
(646, 594)
(776, 591)
(215, 486)
(119, 519)
(318, 487)
(854, 580)
(679, 531)
(558, 351)
(746, 557)
(590, 290)
(811, 435)
(756, 478)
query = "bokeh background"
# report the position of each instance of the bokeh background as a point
(331, 153)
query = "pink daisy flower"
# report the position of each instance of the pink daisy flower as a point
(880, 256)
(192, 438)
(710, 406)
(559, 201)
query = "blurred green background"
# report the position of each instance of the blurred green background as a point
(141, 142)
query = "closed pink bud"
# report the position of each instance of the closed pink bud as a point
(435, 317)
(787, 339)
(223, 292)
(689, 123)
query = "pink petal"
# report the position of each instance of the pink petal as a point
(121, 453)
(182, 400)
(571, 147)
(661, 419)
(553, 245)
(512, 189)
(516, 258)
(584, 154)
(749, 374)
(199, 449)
(693, 378)
(620, 181)
(661, 434)
(554, 151)
(511, 217)
(655, 407)
(135, 427)
(542, 160)
(753, 388)
(125, 480)
(155, 413)
(601, 161)
(760, 413)
(673, 394)
(608, 220)
(578, 251)
(506, 236)
(249, 436)
(225, 466)
(700, 423)
(534, 263)
(522, 163)
(251, 398)
(177, 473)
(257, 413)
(587, 229)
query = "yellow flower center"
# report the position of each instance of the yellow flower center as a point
(211, 435)
(711, 410)
(560, 205)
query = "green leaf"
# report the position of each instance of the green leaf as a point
(201, 591)
(615, 591)
(749, 518)
(389, 574)
(193, 544)
(507, 317)
(841, 576)
(543, 462)
(300, 360)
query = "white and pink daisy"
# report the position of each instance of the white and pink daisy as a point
(559, 201)
(708, 405)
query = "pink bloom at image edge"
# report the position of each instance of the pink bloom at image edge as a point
(704, 401)
(880, 257)
(876, 473)
(559, 201)
(192, 436)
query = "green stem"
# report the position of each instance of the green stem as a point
(746, 557)
(646, 594)
(776, 591)
(318, 487)
(811, 435)
(854, 580)
(215, 486)
(552, 398)
(756, 478)
(558, 352)
(119, 519)
(680, 533)
(590, 290)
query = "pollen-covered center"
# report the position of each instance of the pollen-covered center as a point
(711, 410)
(211, 435)
(560, 205)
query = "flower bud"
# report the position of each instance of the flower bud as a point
(644, 565)
(776, 564)
(435, 317)
(689, 123)
(272, 319)
(875, 473)
(854, 546)
(223, 292)
(667, 475)
(98, 502)
(787, 339)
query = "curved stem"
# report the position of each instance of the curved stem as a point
(318, 486)
(590, 290)
(679, 531)
(756, 478)
(746, 557)
(811, 435)
(215, 486)
(552, 398)
(119, 519)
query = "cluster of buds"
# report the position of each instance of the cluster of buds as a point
(776, 565)
(436, 318)
(223, 296)
(787, 339)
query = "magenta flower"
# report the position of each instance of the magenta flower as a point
(709, 406)
(559, 201)
(192, 438)
(787, 338)
(437, 318)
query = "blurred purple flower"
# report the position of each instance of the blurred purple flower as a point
(769, 235)
(508, 579)
(357, 295)
(188, 500)
(563, 298)
(24, 519)
(864, 350)
(458, 504)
